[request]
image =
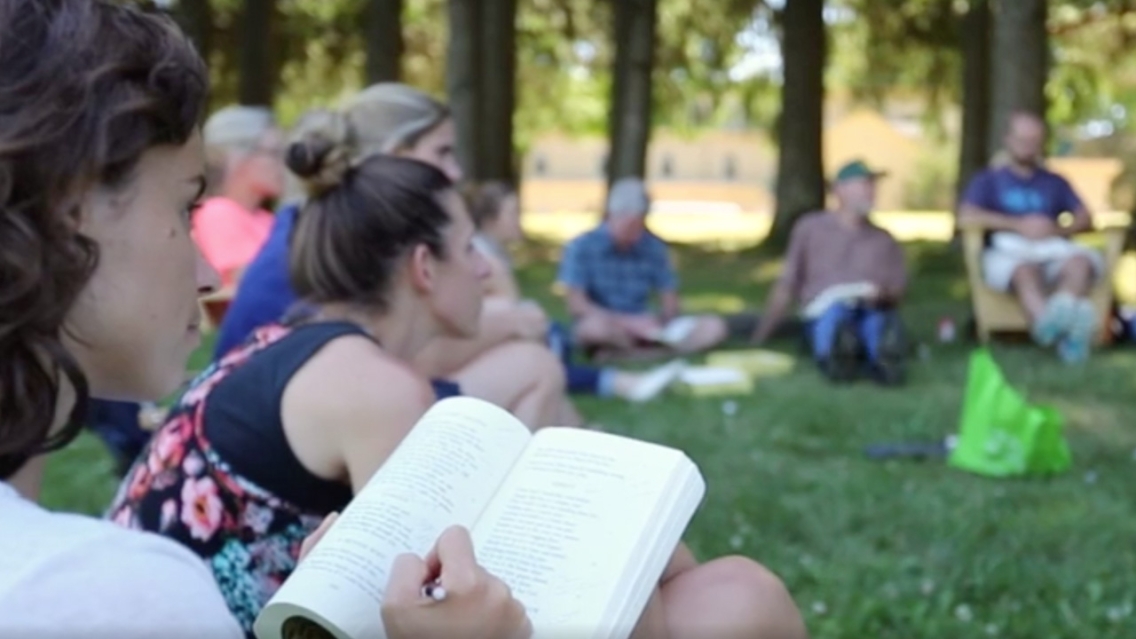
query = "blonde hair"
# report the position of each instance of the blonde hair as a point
(379, 120)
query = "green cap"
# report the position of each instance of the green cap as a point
(857, 169)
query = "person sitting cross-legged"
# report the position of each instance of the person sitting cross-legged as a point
(1029, 253)
(849, 276)
(611, 272)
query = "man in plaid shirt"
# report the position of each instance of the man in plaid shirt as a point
(611, 273)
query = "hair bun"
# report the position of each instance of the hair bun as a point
(320, 153)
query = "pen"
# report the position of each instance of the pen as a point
(434, 590)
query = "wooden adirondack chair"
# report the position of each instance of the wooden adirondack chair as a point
(996, 312)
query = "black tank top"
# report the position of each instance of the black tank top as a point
(243, 422)
(220, 478)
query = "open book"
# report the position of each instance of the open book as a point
(1050, 249)
(839, 293)
(580, 524)
(706, 381)
(676, 331)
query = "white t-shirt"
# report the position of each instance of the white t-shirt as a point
(65, 576)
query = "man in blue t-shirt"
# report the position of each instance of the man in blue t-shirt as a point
(611, 274)
(1029, 252)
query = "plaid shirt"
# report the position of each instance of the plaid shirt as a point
(615, 279)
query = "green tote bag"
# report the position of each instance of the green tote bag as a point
(1003, 435)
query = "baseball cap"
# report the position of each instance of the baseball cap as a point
(628, 196)
(857, 169)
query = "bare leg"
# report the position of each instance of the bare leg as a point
(1076, 276)
(728, 598)
(522, 377)
(567, 415)
(602, 331)
(710, 331)
(1028, 285)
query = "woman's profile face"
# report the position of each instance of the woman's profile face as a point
(508, 227)
(456, 296)
(436, 148)
(138, 319)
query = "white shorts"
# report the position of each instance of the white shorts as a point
(998, 265)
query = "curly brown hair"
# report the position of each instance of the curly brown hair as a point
(86, 87)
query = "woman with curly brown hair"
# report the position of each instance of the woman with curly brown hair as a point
(101, 163)
(100, 166)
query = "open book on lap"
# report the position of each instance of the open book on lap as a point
(850, 292)
(580, 524)
(676, 331)
(1051, 249)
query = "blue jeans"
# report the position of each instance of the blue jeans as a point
(868, 323)
(443, 389)
(582, 380)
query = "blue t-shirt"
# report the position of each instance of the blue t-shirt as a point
(1004, 191)
(265, 293)
(616, 279)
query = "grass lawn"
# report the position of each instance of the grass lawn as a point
(878, 550)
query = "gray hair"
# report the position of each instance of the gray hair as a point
(628, 197)
(238, 127)
(232, 133)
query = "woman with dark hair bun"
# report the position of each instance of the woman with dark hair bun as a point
(282, 431)
(101, 163)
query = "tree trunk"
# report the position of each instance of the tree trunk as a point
(498, 62)
(974, 151)
(463, 80)
(257, 83)
(196, 19)
(631, 95)
(1020, 63)
(800, 166)
(382, 33)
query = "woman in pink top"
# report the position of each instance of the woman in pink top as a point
(244, 150)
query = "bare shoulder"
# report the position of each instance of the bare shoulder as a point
(347, 408)
(353, 368)
(353, 375)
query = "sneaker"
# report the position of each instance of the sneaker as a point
(1055, 319)
(1076, 345)
(655, 381)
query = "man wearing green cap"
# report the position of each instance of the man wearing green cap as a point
(848, 275)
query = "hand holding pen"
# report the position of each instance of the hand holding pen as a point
(449, 595)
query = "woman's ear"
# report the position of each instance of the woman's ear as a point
(421, 269)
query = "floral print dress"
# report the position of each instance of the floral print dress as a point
(182, 488)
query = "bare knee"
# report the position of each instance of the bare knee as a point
(542, 401)
(596, 329)
(1078, 267)
(710, 331)
(1026, 276)
(730, 598)
(772, 612)
(747, 575)
(539, 366)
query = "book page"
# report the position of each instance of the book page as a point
(442, 474)
(568, 521)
